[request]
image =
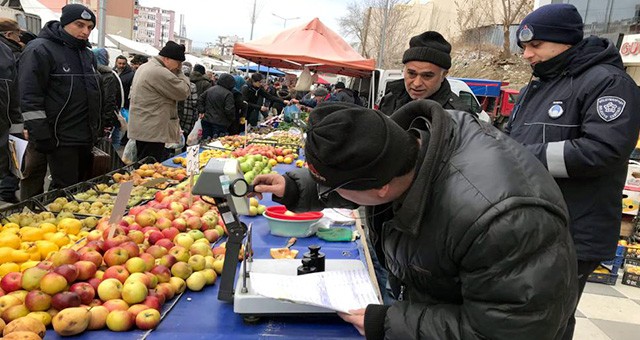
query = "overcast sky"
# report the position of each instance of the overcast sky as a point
(207, 19)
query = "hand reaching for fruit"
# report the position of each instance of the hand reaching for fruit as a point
(273, 183)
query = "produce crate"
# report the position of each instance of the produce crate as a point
(608, 279)
(632, 253)
(79, 188)
(616, 263)
(28, 205)
(49, 196)
(630, 279)
(631, 263)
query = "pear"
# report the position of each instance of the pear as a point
(71, 321)
(25, 323)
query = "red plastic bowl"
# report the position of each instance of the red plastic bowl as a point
(279, 210)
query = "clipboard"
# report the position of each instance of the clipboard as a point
(17, 149)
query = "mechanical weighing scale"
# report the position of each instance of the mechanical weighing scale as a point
(223, 180)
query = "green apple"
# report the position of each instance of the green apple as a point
(196, 281)
(134, 292)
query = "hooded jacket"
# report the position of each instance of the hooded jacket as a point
(15, 47)
(111, 96)
(202, 83)
(10, 117)
(580, 120)
(59, 87)
(217, 103)
(397, 96)
(155, 92)
(471, 257)
(344, 96)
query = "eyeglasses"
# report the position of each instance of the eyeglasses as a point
(324, 191)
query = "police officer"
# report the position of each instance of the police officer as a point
(578, 116)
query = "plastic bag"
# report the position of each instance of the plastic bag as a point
(176, 146)
(125, 113)
(123, 122)
(130, 153)
(195, 134)
(291, 112)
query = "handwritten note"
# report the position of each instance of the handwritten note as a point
(193, 161)
(337, 290)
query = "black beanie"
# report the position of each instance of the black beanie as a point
(199, 68)
(431, 47)
(173, 51)
(73, 12)
(559, 23)
(354, 145)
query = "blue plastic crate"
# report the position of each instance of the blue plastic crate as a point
(615, 263)
(620, 251)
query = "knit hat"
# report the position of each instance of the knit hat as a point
(73, 12)
(320, 92)
(340, 85)
(102, 56)
(559, 23)
(199, 68)
(431, 47)
(173, 51)
(354, 148)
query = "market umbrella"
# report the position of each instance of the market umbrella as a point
(263, 69)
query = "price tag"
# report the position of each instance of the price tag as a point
(193, 161)
(120, 205)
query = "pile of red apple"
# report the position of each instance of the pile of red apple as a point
(264, 150)
(126, 272)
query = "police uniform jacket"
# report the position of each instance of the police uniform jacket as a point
(581, 120)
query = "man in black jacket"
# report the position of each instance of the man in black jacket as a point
(60, 95)
(217, 107)
(10, 121)
(426, 65)
(579, 118)
(255, 96)
(469, 257)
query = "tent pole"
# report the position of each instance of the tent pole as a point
(231, 63)
(372, 95)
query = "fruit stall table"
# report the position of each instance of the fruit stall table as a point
(200, 315)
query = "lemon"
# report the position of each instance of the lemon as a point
(10, 240)
(8, 267)
(48, 227)
(26, 265)
(70, 225)
(30, 234)
(46, 247)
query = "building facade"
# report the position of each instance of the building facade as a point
(154, 26)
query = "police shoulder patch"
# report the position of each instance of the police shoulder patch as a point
(610, 107)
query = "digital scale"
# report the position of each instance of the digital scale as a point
(223, 180)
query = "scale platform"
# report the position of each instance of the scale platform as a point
(252, 304)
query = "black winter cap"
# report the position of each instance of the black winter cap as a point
(173, 51)
(73, 12)
(200, 69)
(559, 23)
(431, 47)
(354, 145)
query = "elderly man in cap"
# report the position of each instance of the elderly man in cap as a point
(579, 117)
(60, 95)
(468, 257)
(426, 65)
(157, 88)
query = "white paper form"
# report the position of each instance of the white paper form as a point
(337, 290)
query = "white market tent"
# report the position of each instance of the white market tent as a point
(193, 59)
(132, 47)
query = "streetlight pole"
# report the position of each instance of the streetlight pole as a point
(285, 19)
(383, 35)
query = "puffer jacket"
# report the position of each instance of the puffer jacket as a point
(581, 120)
(397, 96)
(478, 246)
(217, 103)
(60, 89)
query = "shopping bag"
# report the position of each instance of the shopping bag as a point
(195, 134)
(291, 112)
(125, 113)
(130, 153)
(123, 122)
(101, 162)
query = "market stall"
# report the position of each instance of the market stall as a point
(72, 218)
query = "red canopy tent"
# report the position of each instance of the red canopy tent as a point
(313, 45)
(322, 81)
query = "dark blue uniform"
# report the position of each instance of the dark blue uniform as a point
(581, 120)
